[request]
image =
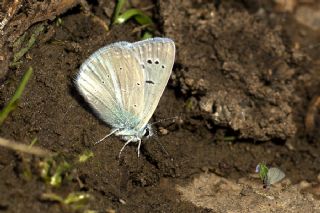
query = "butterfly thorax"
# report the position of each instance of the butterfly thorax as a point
(133, 134)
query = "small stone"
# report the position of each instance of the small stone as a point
(189, 81)
(206, 104)
(285, 5)
(309, 17)
(122, 201)
(289, 145)
(304, 184)
(110, 210)
(163, 131)
(270, 197)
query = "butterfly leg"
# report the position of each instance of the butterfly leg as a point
(129, 141)
(139, 145)
(106, 136)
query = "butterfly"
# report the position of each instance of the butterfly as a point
(269, 176)
(274, 175)
(123, 83)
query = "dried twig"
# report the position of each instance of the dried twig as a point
(11, 11)
(24, 148)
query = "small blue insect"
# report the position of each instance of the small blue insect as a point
(123, 83)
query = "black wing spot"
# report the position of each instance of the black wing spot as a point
(135, 105)
(162, 66)
(120, 68)
(149, 61)
(103, 82)
(149, 82)
(156, 62)
(108, 76)
(142, 66)
(138, 84)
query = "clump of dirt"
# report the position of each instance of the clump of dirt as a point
(18, 16)
(238, 73)
(249, 73)
(246, 195)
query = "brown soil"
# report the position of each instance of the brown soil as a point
(244, 71)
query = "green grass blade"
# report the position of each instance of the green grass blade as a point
(143, 19)
(138, 15)
(14, 100)
(33, 142)
(118, 8)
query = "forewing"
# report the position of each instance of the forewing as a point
(274, 175)
(156, 56)
(112, 82)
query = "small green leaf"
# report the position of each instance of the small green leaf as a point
(85, 156)
(59, 22)
(74, 200)
(45, 169)
(229, 138)
(146, 35)
(52, 172)
(138, 15)
(52, 197)
(77, 198)
(263, 171)
(56, 178)
(143, 19)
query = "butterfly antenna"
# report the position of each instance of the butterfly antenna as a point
(160, 144)
(138, 149)
(106, 136)
(162, 147)
(165, 119)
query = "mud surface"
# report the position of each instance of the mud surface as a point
(245, 78)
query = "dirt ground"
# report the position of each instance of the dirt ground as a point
(245, 88)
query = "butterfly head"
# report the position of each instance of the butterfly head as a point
(135, 135)
(147, 131)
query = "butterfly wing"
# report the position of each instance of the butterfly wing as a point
(112, 82)
(156, 56)
(274, 175)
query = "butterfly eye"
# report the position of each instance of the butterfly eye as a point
(146, 132)
(156, 62)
